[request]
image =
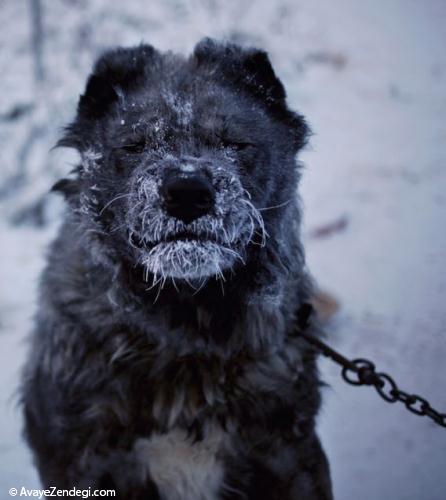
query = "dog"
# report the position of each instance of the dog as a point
(162, 363)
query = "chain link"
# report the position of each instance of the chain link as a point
(363, 372)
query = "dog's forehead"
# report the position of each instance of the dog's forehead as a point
(194, 104)
(180, 104)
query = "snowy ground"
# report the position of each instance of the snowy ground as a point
(371, 78)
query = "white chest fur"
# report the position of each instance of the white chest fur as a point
(182, 469)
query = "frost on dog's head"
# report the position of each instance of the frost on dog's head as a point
(188, 164)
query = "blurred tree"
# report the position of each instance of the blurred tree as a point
(37, 40)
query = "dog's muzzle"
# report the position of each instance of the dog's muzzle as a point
(187, 197)
(191, 224)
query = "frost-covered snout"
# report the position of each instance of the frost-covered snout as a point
(187, 196)
(191, 220)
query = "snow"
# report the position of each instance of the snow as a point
(371, 78)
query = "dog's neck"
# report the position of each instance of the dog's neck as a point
(249, 311)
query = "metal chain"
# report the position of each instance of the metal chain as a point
(362, 372)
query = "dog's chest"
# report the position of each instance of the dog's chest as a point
(183, 469)
(187, 387)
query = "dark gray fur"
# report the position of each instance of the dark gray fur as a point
(138, 342)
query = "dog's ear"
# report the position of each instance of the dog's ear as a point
(250, 70)
(116, 71)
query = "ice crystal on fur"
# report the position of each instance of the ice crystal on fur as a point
(90, 160)
(215, 242)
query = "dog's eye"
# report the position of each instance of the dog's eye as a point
(133, 147)
(238, 145)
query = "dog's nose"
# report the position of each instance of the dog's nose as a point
(188, 197)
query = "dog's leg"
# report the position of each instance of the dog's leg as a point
(312, 478)
(71, 417)
(63, 465)
(290, 471)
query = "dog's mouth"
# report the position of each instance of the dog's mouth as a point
(145, 243)
(185, 255)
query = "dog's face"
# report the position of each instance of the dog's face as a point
(184, 160)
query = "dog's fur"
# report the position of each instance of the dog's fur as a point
(163, 365)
